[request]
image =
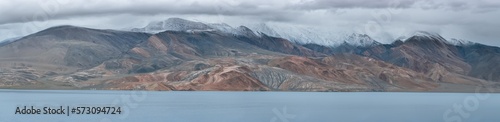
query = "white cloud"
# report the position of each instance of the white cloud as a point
(472, 20)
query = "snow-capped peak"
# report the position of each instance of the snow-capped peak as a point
(173, 24)
(360, 40)
(459, 42)
(296, 33)
(307, 34)
(265, 29)
(429, 35)
(178, 24)
(424, 34)
(222, 27)
(245, 31)
(435, 36)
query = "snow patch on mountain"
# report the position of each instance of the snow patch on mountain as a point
(460, 42)
(173, 24)
(424, 34)
(178, 24)
(307, 34)
(361, 40)
(223, 27)
(436, 36)
(296, 33)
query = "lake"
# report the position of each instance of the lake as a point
(177, 106)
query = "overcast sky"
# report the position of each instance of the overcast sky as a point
(385, 20)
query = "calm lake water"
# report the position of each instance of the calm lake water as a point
(141, 106)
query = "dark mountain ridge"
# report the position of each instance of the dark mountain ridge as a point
(424, 52)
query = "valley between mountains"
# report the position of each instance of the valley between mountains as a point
(207, 57)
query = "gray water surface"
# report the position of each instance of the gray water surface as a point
(142, 106)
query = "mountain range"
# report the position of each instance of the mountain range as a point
(178, 54)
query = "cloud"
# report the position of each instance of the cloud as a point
(456, 5)
(18, 11)
(336, 4)
(474, 20)
(25, 10)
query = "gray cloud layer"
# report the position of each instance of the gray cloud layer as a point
(28, 10)
(473, 20)
(333, 4)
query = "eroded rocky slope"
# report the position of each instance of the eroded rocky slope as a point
(68, 57)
